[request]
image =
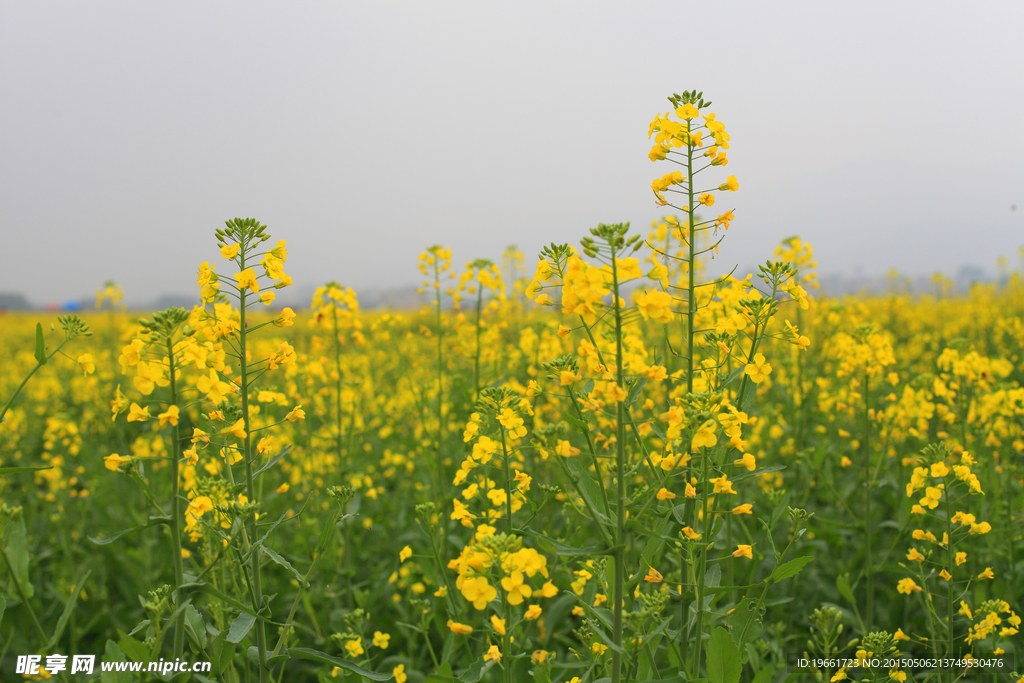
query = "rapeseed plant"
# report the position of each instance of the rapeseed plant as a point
(644, 456)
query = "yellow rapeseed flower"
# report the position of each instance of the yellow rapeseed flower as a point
(170, 416)
(237, 429)
(86, 362)
(137, 414)
(759, 370)
(456, 627)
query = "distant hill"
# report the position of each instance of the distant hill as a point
(10, 301)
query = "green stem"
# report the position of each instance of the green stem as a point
(508, 484)
(950, 564)
(579, 491)
(870, 574)
(257, 579)
(295, 605)
(337, 390)
(449, 600)
(702, 561)
(24, 600)
(440, 412)
(341, 463)
(767, 584)
(691, 313)
(179, 577)
(476, 360)
(27, 378)
(732, 562)
(684, 576)
(620, 484)
(593, 452)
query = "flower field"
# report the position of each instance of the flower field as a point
(605, 463)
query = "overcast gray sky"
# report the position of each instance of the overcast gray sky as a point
(885, 133)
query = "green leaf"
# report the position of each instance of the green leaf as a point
(274, 525)
(791, 568)
(327, 533)
(765, 674)
(679, 512)
(768, 533)
(651, 548)
(589, 487)
(19, 470)
(476, 671)
(195, 627)
(113, 653)
(718, 590)
(286, 564)
(3, 606)
(153, 521)
(553, 546)
(442, 675)
(713, 576)
(240, 627)
(581, 426)
(116, 535)
(141, 626)
(40, 345)
(780, 509)
(253, 653)
(763, 470)
(658, 431)
(843, 586)
(136, 651)
(604, 615)
(62, 622)
(221, 653)
(634, 392)
(723, 658)
(273, 461)
(210, 589)
(647, 664)
(323, 658)
(742, 617)
(17, 553)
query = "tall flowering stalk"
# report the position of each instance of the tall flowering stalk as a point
(335, 308)
(239, 243)
(481, 276)
(681, 142)
(864, 356)
(725, 324)
(158, 358)
(584, 286)
(434, 263)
